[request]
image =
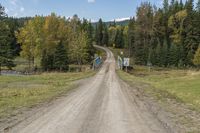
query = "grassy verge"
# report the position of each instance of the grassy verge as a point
(181, 85)
(27, 91)
(163, 83)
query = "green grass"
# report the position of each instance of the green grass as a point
(181, 85)
(18, 92)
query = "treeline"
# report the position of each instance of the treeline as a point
(56, 41)
(53, 40)
(165, 37)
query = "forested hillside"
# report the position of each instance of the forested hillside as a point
(165, 37)
(53, 40)
(121, 23)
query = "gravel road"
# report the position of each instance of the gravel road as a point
(102, 104)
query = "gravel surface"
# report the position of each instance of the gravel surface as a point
(102, 104)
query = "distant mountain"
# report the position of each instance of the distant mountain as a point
(122, 23)
(118, 22)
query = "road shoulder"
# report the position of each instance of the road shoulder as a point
(174, 116)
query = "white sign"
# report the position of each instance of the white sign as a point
(126, 62)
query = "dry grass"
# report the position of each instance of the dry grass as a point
(27, 91)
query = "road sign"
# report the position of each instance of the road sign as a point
(98, 61)
(126, 62)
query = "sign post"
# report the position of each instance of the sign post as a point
(97, 62)
(126, 63)
(149, 64)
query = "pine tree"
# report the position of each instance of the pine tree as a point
(119, 42)
(189, 5)
(6, 58)
(90, 48)
(131, 36)
(192, 32)
(166, 6)
(143, 30)
(181, 4)
(47, 61)
(61, 58)
(105, 36)
(152, 56)
(172, 2)
(99, 32)
(158, 55)
(181, 55)
(164, 54)
(198, 6)
(173, 56)
(96, 34)
(196, 59)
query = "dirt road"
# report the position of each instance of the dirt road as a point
(103, 104)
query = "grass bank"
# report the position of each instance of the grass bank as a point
(18, 92)
(181, 85)
(165, 83)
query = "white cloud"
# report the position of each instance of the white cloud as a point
(15, 8)
(6, 10)
(91, 1)
(21, 9)
(13, 2)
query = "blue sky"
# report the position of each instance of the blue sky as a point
(90, 9)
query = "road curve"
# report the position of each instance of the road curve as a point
(101, 105)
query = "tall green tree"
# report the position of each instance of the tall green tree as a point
(198, 6)
(143, 30)
(196, 59)
(99, 33)
(166, 6)
(105, 40)
(90, 47)
(119, 39)
(61, 58)
(6, 58)
(131, 36)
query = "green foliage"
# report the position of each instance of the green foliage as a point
(89, 47)
(196, 59)
(105, 36)
(173, 55)
(99, 32)
(119, 40)
(31, 39)
(56, 42)
(6, 58)
(143, 31)
(131, 36)
(61, 58)
(198, 6)
(167, 36)
(176, 24)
